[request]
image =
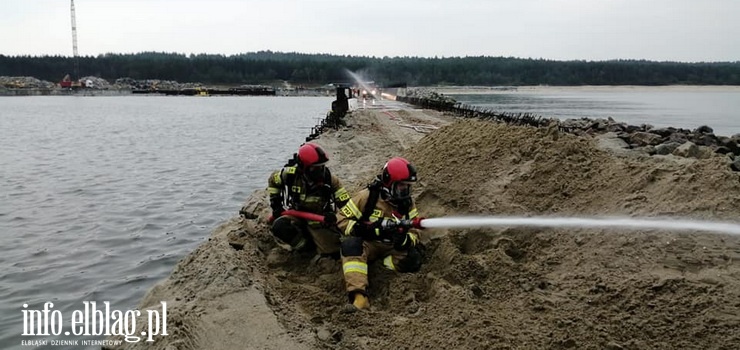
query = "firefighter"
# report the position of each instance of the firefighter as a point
(307, 185)
(378, 223)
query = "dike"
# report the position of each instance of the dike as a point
(493, 288)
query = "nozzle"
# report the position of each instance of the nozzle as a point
(413, 223)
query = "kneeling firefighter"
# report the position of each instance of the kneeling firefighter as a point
(380, 223)
(305, 184)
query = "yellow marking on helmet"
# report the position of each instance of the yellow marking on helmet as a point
(290, 170)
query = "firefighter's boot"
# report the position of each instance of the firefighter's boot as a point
(359, 302)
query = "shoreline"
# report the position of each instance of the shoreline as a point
(449, 90)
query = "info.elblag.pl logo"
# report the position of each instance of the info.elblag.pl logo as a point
(93, 321)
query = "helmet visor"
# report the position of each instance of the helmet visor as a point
(316, 172)
(401, 190)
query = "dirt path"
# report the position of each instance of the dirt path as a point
(511, 288)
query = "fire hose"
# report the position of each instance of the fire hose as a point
(401, 223)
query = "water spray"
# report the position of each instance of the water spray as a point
(664, 224)
(576, 222)
(358, 80)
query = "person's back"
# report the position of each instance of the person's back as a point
(306, 185)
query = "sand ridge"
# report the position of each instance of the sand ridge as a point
(512, 288)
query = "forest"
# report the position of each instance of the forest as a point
(265, 67)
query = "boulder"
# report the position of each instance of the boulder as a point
(691, 150)
(666, 148)
(645, 138)
(616, 127)
(703, 139)
(611, 141)
(632, 128)
(573, 124)
(678, 137)
(704, 129)
(729, 143)
(735, 164)
(664, 132)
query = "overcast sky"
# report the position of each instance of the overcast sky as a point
(660, 30)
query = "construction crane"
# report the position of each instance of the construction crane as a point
(68, 82)
(74, 39)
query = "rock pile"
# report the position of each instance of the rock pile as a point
(700, 143)
(152, 84)
(429, 94)
(97, 83)
(25, 83)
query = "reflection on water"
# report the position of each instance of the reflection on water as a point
(100, 196)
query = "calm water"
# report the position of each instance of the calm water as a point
(686, 107)
(101, 196)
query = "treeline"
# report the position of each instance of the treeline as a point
(266, 66)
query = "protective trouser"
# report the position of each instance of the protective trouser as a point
(303, 236)
(356, 253)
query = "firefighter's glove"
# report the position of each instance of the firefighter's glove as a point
(367, 230)
(402, 241)
(387, 225)
(330, 219)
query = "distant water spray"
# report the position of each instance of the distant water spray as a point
(623, 223)
(358, 79)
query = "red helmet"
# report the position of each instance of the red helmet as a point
(311, 154)
(398, 169)
(398, 174)
(312, 160)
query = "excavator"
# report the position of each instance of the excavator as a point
(68, 83)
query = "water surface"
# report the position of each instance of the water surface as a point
(101, 196)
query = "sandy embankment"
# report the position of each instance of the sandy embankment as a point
(510, 288)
